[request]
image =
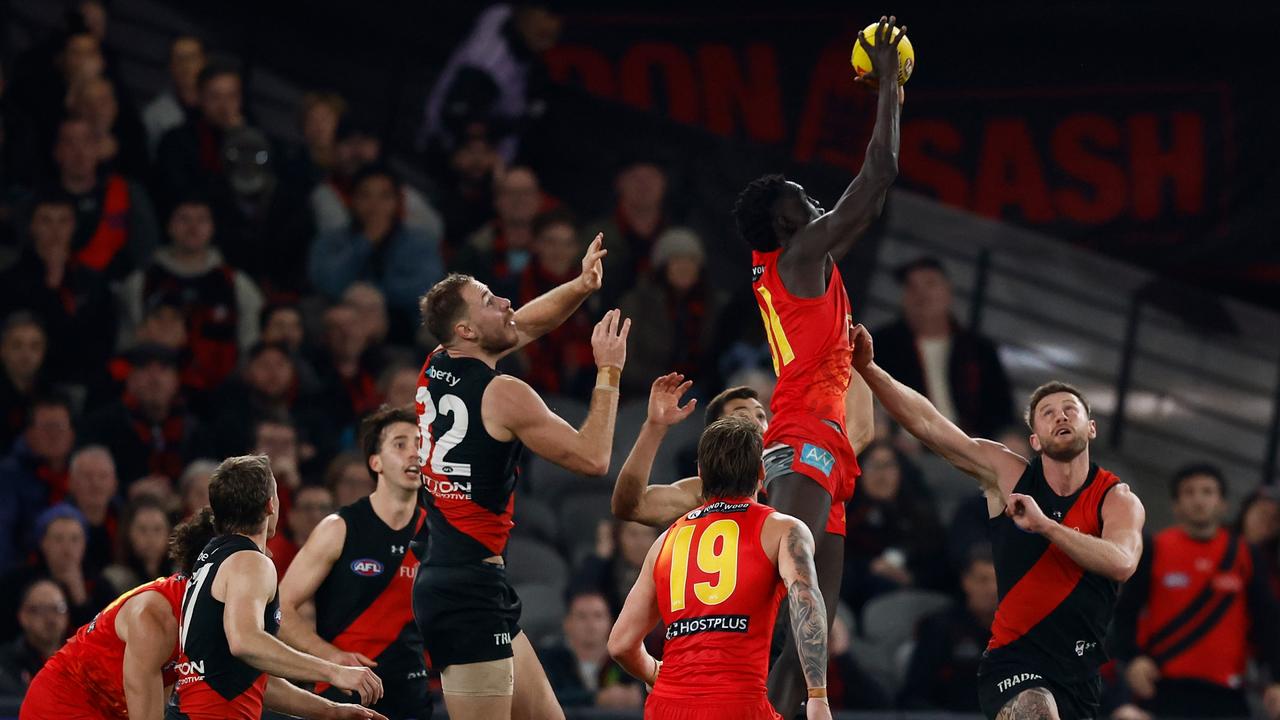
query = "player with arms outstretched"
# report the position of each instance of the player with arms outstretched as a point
(810, 468)
(716, 578)
(473, 423)
(1065, 533)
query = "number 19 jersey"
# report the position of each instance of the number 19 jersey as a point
(468, 477)
(718, 593)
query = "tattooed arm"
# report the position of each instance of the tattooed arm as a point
(1032, 704)
(807, 611)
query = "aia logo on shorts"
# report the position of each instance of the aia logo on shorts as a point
(366, 567)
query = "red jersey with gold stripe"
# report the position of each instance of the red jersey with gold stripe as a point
(810, 339)
(1053, 614)
(718, 593)
(89, 670)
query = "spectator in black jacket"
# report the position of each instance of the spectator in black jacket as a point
(958, 369)
(950, 643)
(23, 344)
(579, 669)
(42, 616)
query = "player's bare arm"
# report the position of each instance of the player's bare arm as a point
(1034, 704)
(994, 466)
(639, 615)
(795, 548)
(548, 311)
(511, 409)
(283, 697)
(1115, 555)
(860, 414)
(247, 582)
(836, 232)
(299, 586)
(633, 498)
(146, 626)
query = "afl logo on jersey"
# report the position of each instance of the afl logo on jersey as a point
(366, 567)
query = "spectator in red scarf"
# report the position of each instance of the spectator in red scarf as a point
(499, 251)
(148, 430)
(631, 233)
(674, 312)
(189, 156)
(117, 131)
(34, 474)
(23, 345)
(91, 489)
(560, 361)
(70, 299)
(115, 224)
(219, 303)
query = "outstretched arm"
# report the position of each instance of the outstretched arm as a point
(146, 626)
(639, 615)
(1115, 555)
(988, 462)
(836, 232)
(633, 497)
(283, 697)
(546, 312)
(511, 408)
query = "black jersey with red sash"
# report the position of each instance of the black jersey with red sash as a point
(365, 603)
(1053, 614)
(469, 478)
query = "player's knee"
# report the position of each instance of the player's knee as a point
(1030, 704)
(494, 678)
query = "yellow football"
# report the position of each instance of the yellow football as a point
(906, 55)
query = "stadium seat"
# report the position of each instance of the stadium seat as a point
(531, 562)
(550, 482)
(573, 411)
(542, 611)
(534, 518)
(889, 623)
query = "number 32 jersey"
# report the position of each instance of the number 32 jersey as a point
(468, 477)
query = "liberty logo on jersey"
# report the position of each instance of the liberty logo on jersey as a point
(366, 567)
(814, 456)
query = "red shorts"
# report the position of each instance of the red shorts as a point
(660, 708)
(52, 695)
(823, 456)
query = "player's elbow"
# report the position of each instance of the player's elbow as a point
(624, 508)
(881, 166)
(620, 644)
(594, 465)
(239, 643)
(1124, 570)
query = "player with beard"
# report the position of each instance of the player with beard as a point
(1065, 534)
(473, 422)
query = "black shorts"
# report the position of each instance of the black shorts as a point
(1001, 679)
(466, 613)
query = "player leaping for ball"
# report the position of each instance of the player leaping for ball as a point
(810, 467)
(1065, 532)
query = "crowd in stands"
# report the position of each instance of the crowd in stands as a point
(177, 287)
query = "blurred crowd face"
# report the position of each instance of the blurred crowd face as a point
(587, 625)
(149, 535)
(980, 590)
(517, 196)
(94, 100)
(165, 325)
(220, 101)
(1199, 502)
(52, 226)
(642, 187)
(881, 474)
(82, 57)
(353, 482)
(279, 442)
(270, 374)
(320, 125)
(92, 480)
(634, 541)
(310, 506)
(402, 386)
(682, 272)
(539, 28)
(76, 152)
(22, 352)
(371, 306)
(284, 326)
(474, 160)
(354, 152)
(186, 60)
(926, 297)
(62, 546)
(375, 203)
(195, 491)
(557, 249)
(749, 408)
(1261, 522)
(155, 386)
(344, 334)
(43, 615)
(50, 435)
(191, 227)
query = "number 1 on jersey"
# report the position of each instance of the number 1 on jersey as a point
(779, 346)
(723, 564)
